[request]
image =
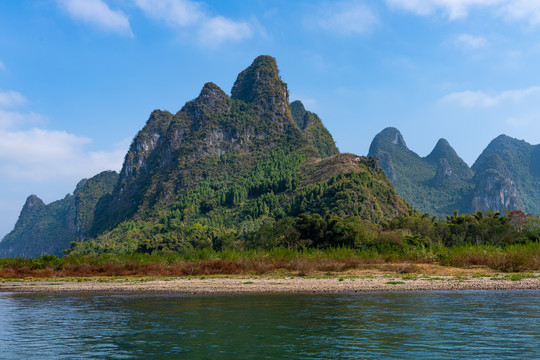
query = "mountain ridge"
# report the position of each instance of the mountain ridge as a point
(505, 175)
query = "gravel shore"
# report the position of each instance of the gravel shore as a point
(239, 285)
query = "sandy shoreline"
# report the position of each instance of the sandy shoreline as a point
(260, 284)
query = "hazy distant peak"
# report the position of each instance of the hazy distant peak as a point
(442, 150)
(387, 138)
(32, 203)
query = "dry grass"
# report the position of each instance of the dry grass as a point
(510, 259)
(466, 259)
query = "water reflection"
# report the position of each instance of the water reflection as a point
(442, 325)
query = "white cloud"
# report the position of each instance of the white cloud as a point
(518, 10)
(2, 66)
(99, 14)
(174, 12)
(217, 30)
(40, 155)
(9, 118)
(475, 99)
(11, 98)
(211, 30)
(454, 9)
(511, 10)
(347, 18)
(471, 42)
(36, 155)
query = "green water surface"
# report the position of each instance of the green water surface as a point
(409, 325)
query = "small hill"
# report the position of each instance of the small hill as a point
(49, 229)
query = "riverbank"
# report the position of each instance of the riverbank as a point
(334, 283)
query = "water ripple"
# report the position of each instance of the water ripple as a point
(415, 325)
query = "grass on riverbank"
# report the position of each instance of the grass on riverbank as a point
(513, 258)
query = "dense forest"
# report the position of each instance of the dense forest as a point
(330, 231)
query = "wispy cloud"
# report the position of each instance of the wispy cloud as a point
(480, 99)
(346, 18)
(211, 30)
(454, 9)
(471, 42)
(173, 12)
(218, 29)
(522, 10)
(97, 13)
(40, 155)
(11, 98)
(36, 154)
(9, 119)
(2, 66)
(511, 10)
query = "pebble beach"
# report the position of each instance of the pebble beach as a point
(260, 284)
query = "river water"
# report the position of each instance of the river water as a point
(377, 325)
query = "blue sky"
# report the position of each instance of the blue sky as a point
(78, 78)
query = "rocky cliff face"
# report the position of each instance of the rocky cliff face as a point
(495, 192)
(314, 130)
(514, 169)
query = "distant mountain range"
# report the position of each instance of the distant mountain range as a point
(505, 176)
(219, 168)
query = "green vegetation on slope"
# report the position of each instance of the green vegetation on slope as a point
(509, 242)
(49, 229)
(439, 183)
(518, 161)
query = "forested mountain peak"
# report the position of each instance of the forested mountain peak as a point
(261, 85)
(442, 149)
(387, 139)
(210, 96)
(32, 205)
(517, 163)
(509, 149)
(448, 162)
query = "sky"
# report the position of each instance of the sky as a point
(79, 78)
